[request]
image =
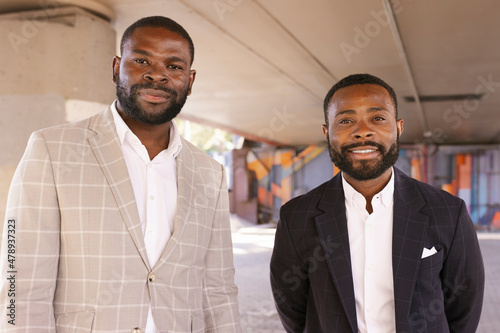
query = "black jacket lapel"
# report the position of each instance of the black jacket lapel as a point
(332, 231)
(409, 230)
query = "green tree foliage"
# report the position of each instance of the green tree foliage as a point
(207, 138)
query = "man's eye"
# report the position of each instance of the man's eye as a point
(379, 118)
(175, 67)
(344, 121)
(141, 61)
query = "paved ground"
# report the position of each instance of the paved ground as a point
(252, 252)
(490, 319)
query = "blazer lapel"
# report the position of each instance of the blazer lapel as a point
(187, 195)
(409, 230)
(106, 148)
(332, 231)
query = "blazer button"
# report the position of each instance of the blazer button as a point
(152, 277)
(136, 330)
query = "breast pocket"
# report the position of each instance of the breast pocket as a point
(429, 281)
(434, 261)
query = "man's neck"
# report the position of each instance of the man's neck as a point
(368, 188)
(154, 137)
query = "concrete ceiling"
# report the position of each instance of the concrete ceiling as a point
(264, 67)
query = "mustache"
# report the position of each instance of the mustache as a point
(135, 87)
(344, 148)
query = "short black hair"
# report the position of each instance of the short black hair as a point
(354, 79)
(158, 22)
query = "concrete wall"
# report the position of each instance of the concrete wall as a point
(56, 67)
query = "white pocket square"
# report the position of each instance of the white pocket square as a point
(428, 252)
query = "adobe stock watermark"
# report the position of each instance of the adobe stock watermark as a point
(420, 318)
(278, 123)
(436, 136)
(204, 198)
(75, 154)
(295, 275)
(372, 29)
(31, 25)
(114, 290)
(460, 111)
(224, 6)
(463, 110)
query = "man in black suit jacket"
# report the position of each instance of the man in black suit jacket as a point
(434, 281)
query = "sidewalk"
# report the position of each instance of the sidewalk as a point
(252, 247)
(490, 318)
(252, 252)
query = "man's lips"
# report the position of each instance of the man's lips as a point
(154, 95)
(364, 152)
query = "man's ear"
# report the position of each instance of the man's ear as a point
(192, 76)
(325, 131)
(116, 68)
(399, 125)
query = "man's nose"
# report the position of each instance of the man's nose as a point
(363, 131)
(156, 73)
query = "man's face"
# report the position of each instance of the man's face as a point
(153, 77)
(363, 134)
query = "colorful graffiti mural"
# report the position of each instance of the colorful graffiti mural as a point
(274, 169)
(471, 173)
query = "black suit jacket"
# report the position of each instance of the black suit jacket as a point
(311, 273)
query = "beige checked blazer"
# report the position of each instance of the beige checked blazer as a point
(80, 259)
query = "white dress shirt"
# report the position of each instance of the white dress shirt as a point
(155, 189)
(370, 243)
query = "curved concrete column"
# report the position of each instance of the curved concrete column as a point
(56, 67)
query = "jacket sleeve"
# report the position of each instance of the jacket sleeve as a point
(289, 279)
(30, 244)
(220, 303)
(463, 277)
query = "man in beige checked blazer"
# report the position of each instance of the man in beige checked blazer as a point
(116, 235)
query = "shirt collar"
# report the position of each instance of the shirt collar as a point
(386, 195)
(125, 133)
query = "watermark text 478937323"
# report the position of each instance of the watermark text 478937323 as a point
(11, 271)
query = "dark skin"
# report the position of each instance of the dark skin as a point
(358, 113)
(160, 56)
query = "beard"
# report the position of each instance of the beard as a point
(366, 169)
(129, 104)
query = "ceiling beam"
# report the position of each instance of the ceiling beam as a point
(406, 65)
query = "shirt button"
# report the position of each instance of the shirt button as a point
(152, 277)
(136, 330)
(151, 197)
(370, 309)
(369, 268)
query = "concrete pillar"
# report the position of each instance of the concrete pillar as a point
(56, 67)
(242, 202)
